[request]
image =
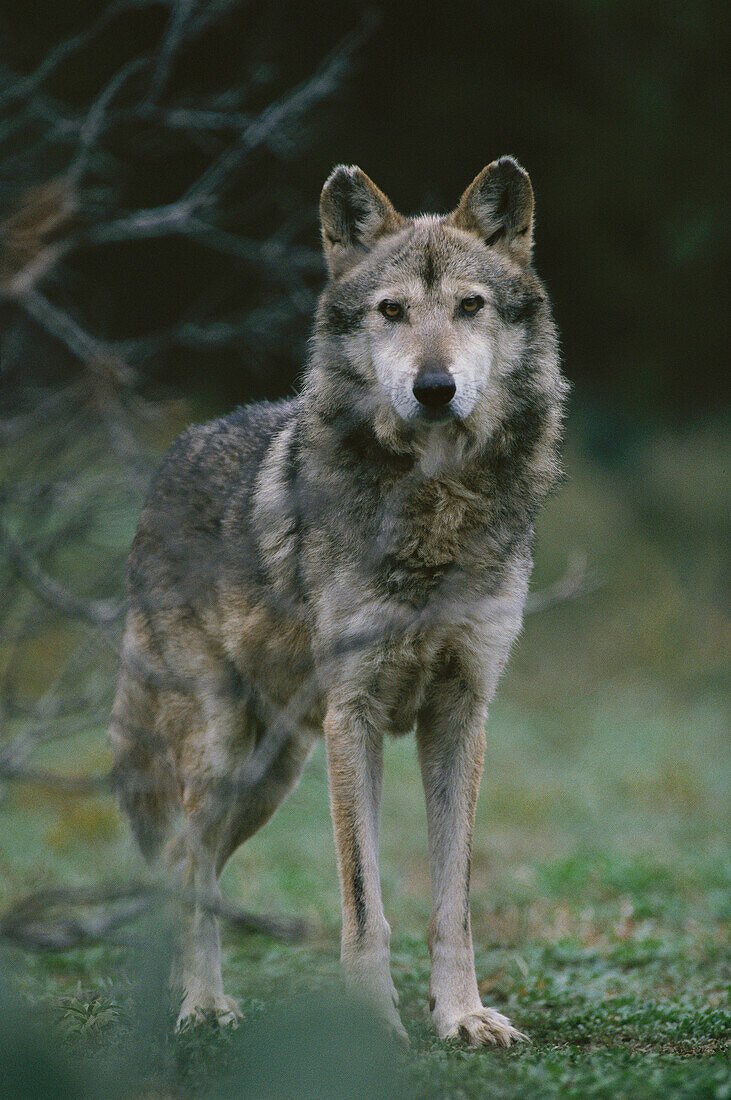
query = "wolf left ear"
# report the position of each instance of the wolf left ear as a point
(498, 206)
(354, 213)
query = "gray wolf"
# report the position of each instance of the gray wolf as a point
(354, 562)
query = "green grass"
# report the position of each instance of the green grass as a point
(600, 882)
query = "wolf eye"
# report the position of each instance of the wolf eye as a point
(473, 304)
(391, 310)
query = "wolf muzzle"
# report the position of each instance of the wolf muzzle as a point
(434, 387)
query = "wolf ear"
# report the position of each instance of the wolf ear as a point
(354, 213)
(498, 206)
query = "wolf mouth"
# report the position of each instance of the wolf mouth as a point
(435, 416)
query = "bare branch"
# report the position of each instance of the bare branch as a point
(284, 260)
(15, 427)
(47, 589)
(191, 118)
(178, 216)
(208, 13)
(576, 581)
(27, 923)
(93, 353)
(95, 117)
(26, 86)
(39, 250)
(286, 111)
(156, 221)
(174, 37)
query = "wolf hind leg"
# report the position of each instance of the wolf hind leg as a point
(208, 757)
(258, 795)
(223, 807)
(205, 852)
(200, 975)
(143, 775)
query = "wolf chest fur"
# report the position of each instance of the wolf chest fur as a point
(354, 562)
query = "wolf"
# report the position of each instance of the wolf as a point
(351, 562)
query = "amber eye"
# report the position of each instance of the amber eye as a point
(391, 310)
(472, 305)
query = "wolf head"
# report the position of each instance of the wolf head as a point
(429, 316)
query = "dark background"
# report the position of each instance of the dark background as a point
(615, 108)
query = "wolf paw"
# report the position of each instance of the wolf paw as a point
(384, 1003)
(396, 1028)
(482, 1028)
(197, 1011)
(375, 989)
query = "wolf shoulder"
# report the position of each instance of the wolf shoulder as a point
(208, 469)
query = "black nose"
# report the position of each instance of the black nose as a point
(434, 388)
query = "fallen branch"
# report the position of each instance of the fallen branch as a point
(31, 923)
(28, 923)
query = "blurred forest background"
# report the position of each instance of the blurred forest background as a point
(617, 109)
(160, 165)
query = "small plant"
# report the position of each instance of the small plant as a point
(89, 1012)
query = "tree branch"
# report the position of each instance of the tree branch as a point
(92, 352)
(179, 17)
(46, 588)
(289, 109)
(575, 582)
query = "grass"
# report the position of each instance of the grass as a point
(600, 882)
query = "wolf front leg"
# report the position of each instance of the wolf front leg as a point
(451, 744)
(355, 771)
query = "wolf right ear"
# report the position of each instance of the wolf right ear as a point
(498, 206)
(354, 213)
